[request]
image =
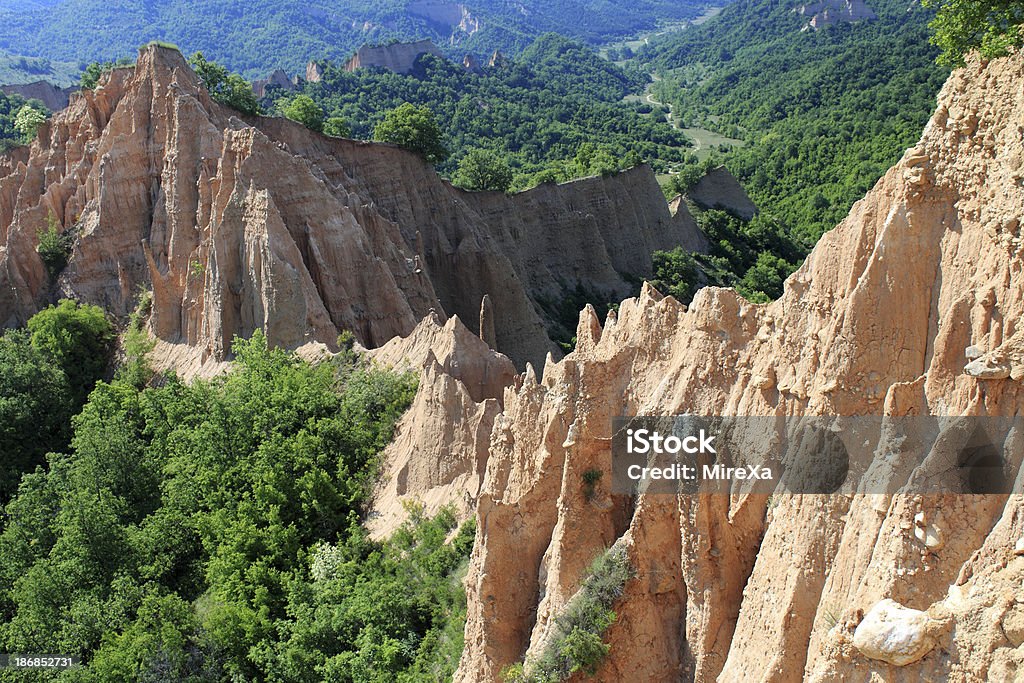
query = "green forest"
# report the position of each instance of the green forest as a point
(15, 130)
(256, 37)
(822, 114)
(536, 112)
(210, 531)
(18, 69)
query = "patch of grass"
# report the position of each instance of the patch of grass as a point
(160, 43)
(830, 616)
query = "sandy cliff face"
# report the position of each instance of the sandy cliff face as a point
(397, 57)
(434, 460)
(909, 307)
(53, 97)
(260, 223)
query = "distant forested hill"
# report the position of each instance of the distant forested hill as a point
(823, 113)
(537, 111)
(256, 36)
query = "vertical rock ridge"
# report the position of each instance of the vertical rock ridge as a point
(875, 322)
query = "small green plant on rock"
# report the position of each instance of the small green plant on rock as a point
(590, 479)
(196, 269)
(54, 247)
(577, 644)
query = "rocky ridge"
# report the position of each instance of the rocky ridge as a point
(240, 223)
(50, 95)
(435, 461)
(909, 307)
(828, 12)
(397, 57)
(719, 189)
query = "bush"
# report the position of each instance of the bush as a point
(483, 169)
(675, 274)
(413, 128)
(590, 479)
(337, 127)
(28, 120)
(992, 27)
(302, 109)
(93, 72)
(79, 338)
(54, 247)
(577, 645)
(226, 88)
(765, 278)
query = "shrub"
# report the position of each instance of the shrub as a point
(590, 479)
(675, 274)
(337, 127)
(414, 128)
(28, 120)
(226, 88)
(54, 247)
(577, 645)
(92, 73)
(992, 27)
(483, 169)
(302, 109)
(79, 338)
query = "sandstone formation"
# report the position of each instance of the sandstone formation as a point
(447, 16)
(435, 461)
(458, 352)
(50, 95)
(828, 12)
(905, 587)
(314, 72)
(497, 59)
(237, 224)
(397, 57)
(278, 78)
(719, 189)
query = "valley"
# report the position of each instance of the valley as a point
(324, 324)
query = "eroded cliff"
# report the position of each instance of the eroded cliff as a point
(237, 224)
(909, 307)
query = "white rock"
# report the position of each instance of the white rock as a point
(986, 368)
(893, 633)
(931, 536)
(1019, 548)
(972, 352)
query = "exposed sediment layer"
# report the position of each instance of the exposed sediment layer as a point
(237, 224)
(909, 307)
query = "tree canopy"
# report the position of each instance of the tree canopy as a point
(46, 373)
(302, 109)
(229, 89)
(992, 27)
(28, 120)
(211, 531)
(413, 128)
(483, 169)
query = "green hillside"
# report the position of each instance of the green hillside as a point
(536, 112)
(18, 69)
(823, 113)
(258, 36)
